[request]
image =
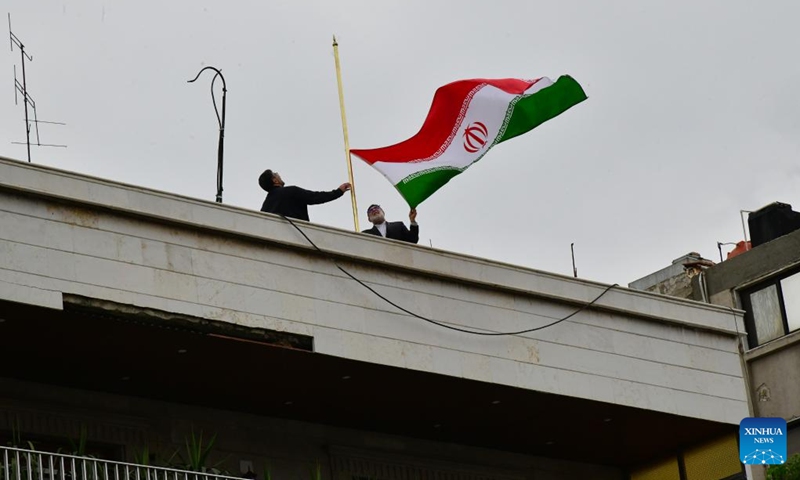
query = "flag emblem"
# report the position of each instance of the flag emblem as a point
(475, 137)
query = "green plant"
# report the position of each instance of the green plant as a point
(19, 465)
(142, 457)
(316, 472)
(87, 469)
(267, 471)
(788, 471)
(22, 464)
(16, 436)
(197, 454)
(78, 446)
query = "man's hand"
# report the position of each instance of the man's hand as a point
(412, 215)
(344, 187)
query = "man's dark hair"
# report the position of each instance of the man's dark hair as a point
(265, 180)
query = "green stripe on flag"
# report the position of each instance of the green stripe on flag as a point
(419, 187)
(547, 103)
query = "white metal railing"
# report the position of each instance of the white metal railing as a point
(21, 464)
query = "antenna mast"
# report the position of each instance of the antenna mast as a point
(22, 88)
(220, 121)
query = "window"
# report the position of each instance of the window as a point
(773, 309)
(767, 318)
(791, 300)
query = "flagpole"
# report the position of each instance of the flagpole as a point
(344, 131)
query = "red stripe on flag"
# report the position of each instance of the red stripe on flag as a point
(441, 120)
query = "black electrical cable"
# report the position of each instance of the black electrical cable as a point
(214, 100)
(440, 324)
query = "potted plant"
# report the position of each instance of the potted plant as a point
(197, 453)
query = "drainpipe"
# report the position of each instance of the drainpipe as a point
(702, 284)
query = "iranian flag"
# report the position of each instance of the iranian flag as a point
(466, 119)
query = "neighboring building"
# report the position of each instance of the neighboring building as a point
(676, 279)
(763, 278)
(130, 318)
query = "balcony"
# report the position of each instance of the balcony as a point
(23, 464)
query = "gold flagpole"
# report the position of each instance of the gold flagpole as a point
(344, 130)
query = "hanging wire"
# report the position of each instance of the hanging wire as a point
(435, 322)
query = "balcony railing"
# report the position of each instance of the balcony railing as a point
(21, 464)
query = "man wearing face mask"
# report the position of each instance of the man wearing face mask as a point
(394, 230)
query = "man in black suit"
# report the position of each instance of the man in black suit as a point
(395, 230)
(293, 201)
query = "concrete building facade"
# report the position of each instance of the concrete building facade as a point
(143, 316)
(764, 281)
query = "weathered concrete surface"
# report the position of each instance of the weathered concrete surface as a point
(766, 259)
(61, 232)
(671, 280)
(775, 378)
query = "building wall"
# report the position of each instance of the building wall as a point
(761, 261)
(678, 286)
(65, 234)
(672, 280)
(290, 448)
(772, 367)
(775, 378)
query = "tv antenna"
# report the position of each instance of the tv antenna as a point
(22, 88)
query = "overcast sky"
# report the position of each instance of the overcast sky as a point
(693, 113)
